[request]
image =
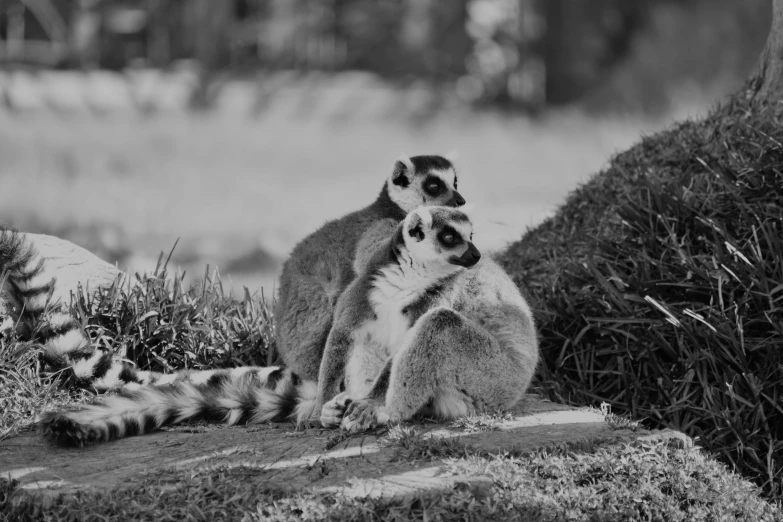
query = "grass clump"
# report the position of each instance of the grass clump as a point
(161, 326)
(653, 481)
(658, 286)
(25, 390)
(153, 322)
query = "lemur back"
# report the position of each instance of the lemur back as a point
(321, 266)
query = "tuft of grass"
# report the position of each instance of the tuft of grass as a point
(619, 422)
(622, 482)
(25, 390)
(657, 286)
(155, 323)
(159, 325)
(482, 421)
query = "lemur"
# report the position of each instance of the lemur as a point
(427, 325)
(438, 330)
(321, 267)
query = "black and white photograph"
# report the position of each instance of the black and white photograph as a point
(389, 260)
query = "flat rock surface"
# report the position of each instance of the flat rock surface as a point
(313, 459)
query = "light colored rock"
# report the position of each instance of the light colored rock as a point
(73, 266)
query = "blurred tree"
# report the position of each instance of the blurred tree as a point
(767, 82)
(584, 38)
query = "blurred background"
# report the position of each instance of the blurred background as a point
(239, 126)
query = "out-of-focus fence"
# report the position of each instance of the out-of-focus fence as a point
(338, 96)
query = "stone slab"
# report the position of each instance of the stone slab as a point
(312, 459)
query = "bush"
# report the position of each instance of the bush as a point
(155, 323)
(160, 326)
(658, 286)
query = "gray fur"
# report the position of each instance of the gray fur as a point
(321, 266)
(472, 344)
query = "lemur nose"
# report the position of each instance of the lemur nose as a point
(457, 200)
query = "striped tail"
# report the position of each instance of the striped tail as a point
(66, 347)
(240, 395)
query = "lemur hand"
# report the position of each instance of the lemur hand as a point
(333, 411)
(363, 415)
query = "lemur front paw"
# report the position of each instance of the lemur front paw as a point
(363, 415)
(333, 411)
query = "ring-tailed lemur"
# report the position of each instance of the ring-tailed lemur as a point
(319, 269)
(426, 322)
(437, 330)
(321, 265)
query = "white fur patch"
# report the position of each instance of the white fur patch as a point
(199, 377)
(451, 405)
(367, 358)
(447, 176)
(111, 379)
(58, 320)
(306, 404)
(69, 342)
(37, 303)
(83, 369)
(168, 378)
(240, 371)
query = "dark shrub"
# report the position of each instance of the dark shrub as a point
(658, 286)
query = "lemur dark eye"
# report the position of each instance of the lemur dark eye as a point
(450, 238)
(433, 186)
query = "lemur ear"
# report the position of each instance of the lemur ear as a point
(416, 228)
(452, 155)
(403, 172)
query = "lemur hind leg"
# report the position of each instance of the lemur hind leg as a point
(305, 316)
(449, 362)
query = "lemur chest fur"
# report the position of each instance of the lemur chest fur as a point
(398, 293)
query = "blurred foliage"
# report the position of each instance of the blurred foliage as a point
(704, 48)
(509, 52)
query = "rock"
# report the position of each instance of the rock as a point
(360, 466)
(73, 266)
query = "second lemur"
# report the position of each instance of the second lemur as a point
(321, 266)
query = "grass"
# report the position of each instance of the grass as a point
(25, 390)
(657, 286)
(155, 322)
(246, 189)
(651, 481)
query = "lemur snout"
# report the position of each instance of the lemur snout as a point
(456, 200)
(469, 258)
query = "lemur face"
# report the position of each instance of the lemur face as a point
(424, 181)
(439, 238)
